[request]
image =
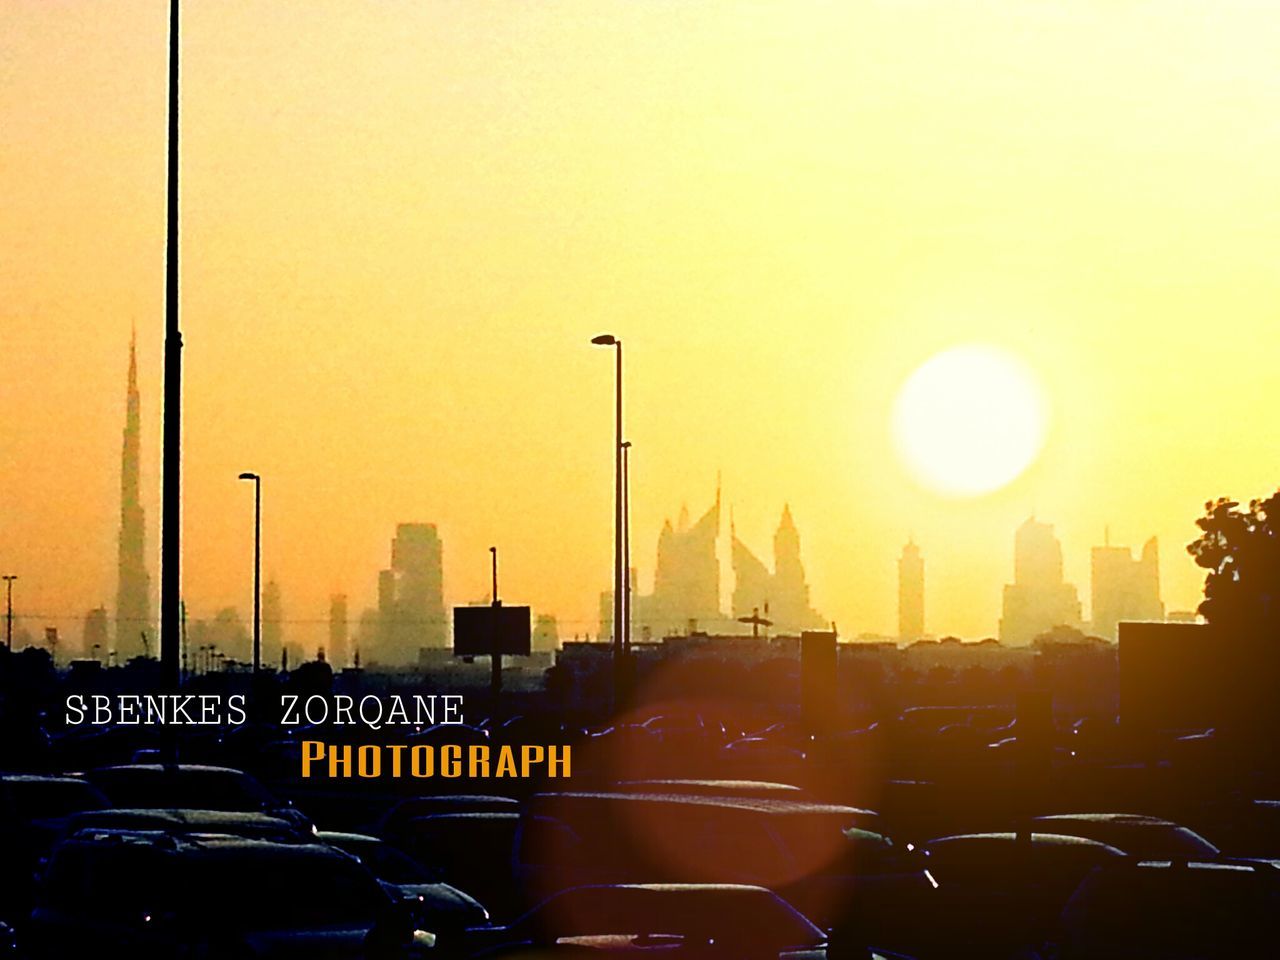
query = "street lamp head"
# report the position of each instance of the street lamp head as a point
(248, 476)
(626, 444)
(605, 340)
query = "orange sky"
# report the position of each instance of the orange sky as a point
(403, 221)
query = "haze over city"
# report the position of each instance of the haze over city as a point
(402, 223)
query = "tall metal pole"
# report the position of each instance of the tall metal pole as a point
(257, 575)
(619, 560)
(619, 587)
(257, 569)
(495, 658)
(171, 489)
(626, 545)
(8, 610)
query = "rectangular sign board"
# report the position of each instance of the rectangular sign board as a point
(484, 631)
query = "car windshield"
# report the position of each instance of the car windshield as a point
(385, 861)
(283, 891)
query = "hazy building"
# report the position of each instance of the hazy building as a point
(781, 596)
(1038, 599)
(96, 637)
(230, 636)
(411, 610)
(272, 626)
(1124, 588)
(133, 591)
(910, 593)
(686, 582)
(546, 633)
(337, 651)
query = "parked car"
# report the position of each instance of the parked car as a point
(1163, 910)
(1147, 838)
(668, 920)
(393, 823)
(188, 785)
(439, 906)
(1001, 893)
(149, 894)
(812, 854)
(470, 851)
(34, 811)
(251, 826)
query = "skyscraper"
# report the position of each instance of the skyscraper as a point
(133, 592)
(336, 653)
(910, 593)
(1124, 588)
(1038, 599)
(411, 610)
(96, 634)
(686, 581)
(784, 594)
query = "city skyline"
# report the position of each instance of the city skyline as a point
(396, 623)
(1117, 583)
(412, 342)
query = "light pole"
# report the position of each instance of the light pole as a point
(608, 340)
(626, 544)
(257, 569)
(171, 445)
(8, 610)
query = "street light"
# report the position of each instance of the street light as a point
(171, 427)
(608, 340)
(257, 569)
(626, 544)
(8, 611)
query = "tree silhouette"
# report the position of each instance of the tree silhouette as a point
(1240, 547)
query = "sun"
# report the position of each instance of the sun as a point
(969, 420)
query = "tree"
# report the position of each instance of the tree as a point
(1240, 547)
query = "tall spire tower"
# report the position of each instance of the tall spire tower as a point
(133, 604)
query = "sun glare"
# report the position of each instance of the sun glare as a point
(969, 420)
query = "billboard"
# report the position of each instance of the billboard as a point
(484, 631)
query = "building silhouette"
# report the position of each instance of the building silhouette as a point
(686, 581)
(411, 610)
(546, 633)
(97, 633)
(1124, 588)
(337, 651)
(784, 593)
(910, 593)
(1038, 599)
(133, 591)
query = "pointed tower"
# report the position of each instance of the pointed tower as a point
(133, 592)
(910, 592)
(789, 596)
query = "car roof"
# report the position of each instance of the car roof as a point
(769, 805)
(1038, 840)
(1134, 819)
(340, 836)
(168, 768)
(184, 816)
(42, 778)
(714, 787)
(201, 844)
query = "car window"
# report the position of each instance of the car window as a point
(49, 799)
